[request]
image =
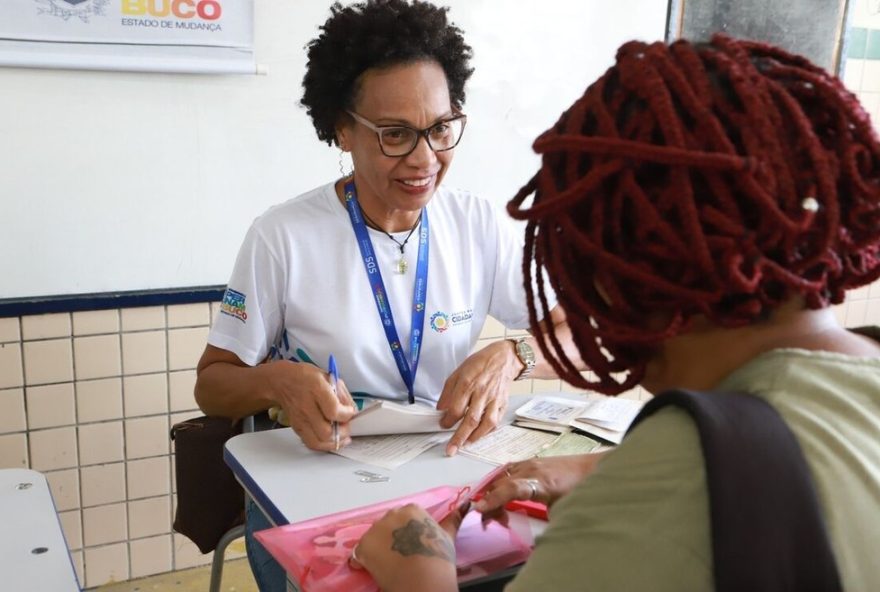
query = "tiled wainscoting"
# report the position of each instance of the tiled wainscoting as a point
(88, 399)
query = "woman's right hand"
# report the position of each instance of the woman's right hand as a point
(543, 480)
(306, 397)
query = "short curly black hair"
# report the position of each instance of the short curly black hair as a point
(378, 34)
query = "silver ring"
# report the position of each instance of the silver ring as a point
(354, 554)
(533, 485)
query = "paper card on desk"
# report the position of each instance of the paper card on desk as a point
(570, 443)
(389, 452)
(610, 413)
(387, 417)
(509, 444)
(605, 417)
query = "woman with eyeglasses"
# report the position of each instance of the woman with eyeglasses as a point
(385, 268)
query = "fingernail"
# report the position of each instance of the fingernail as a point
(452, 450)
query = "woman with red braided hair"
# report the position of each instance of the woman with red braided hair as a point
(696, 212)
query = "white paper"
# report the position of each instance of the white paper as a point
(611, 414)
(554, 410)
(387, 417)
(509, 444)
(389, 452)
(598, 415)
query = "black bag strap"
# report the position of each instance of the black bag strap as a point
(768, 534)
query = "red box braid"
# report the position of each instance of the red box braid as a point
(720, 179)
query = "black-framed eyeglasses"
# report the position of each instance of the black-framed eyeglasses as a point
(400, 140)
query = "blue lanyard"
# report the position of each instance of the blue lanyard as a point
(406, 368)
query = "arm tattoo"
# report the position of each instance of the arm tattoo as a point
(423, 538)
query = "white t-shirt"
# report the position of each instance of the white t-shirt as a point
(299, 291)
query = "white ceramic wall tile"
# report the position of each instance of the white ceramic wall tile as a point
(492, 329)
(48, 361)
(12, 417)
(9, 330)
(107, 564)
(53, 449)
(855, 313)
(516, 333)
(64, 486)
(50, 406)
(870, 77)
(872, 314)
(521, 387)
(79, 566)
(45, 326)
(146, 436)
(215, 310)
(858, 293)
(145, 394)
(99, 400)
(186, 554)
(546, 386)
(95, 322)
(180, 390)
(140, 319)
(71, 525)
(13, 451)
(10, 365)
(100, 443)
(149, 517)
(143, 352)
(148, 477)
(185, 347)
(840, 313)
(189, 315)
(103, 484)
(96, 357)
(151, 556)
(852, 75)
(103, 525)
(874, 292)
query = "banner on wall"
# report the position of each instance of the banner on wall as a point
(183, 36)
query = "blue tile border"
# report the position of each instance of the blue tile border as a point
(17, 307)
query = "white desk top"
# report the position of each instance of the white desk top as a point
(292, 483)
(33, 553)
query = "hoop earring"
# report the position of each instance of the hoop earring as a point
(342, 170)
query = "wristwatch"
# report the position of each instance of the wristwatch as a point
(526, 355)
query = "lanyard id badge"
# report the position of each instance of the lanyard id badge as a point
(407, 368)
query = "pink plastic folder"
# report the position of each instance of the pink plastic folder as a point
(316, 552)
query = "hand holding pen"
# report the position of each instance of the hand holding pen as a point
(334, 383)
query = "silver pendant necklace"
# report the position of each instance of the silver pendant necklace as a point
(402, 265)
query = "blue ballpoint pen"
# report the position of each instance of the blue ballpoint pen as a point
(334, 378)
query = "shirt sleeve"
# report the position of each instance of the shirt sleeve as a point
(251, 314)
(640, 522)
(508, 303)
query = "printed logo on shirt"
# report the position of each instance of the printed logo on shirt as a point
(233, 305)
(439, 321)
(461, 317)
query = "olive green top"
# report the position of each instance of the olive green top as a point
(641, 521)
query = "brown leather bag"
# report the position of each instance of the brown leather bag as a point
(209, 499)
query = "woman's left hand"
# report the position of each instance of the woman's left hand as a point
(407, 550)
(477, 392)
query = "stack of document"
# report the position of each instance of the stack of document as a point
(605, 417)
(381, 417)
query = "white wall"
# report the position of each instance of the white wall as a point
(122, 181)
